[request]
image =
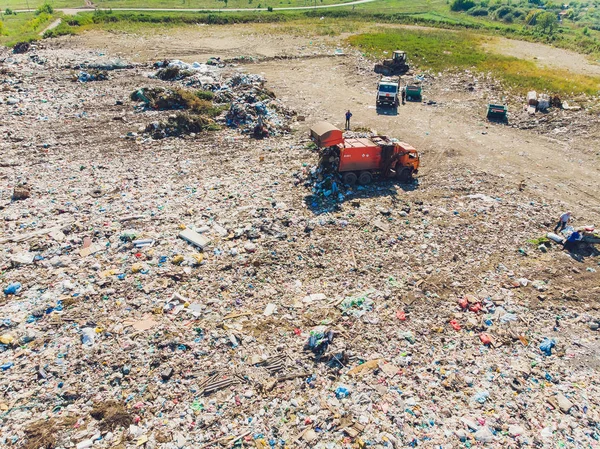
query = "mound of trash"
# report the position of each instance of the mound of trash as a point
(163, 99)
(252, 105)
(93, 75)
(21, 47)
(176, 70)
(181, 124)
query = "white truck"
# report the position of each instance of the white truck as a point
(388, 90)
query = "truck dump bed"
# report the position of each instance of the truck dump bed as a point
(359, 154)
(325, 135)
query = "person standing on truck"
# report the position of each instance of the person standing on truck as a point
(348, 115)
(562, 221)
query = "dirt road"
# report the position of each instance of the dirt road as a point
(544, 55)
(453, 131)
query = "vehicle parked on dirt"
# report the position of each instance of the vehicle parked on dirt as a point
(414, 92)
(361, 159)
(395, 66)
(388, 90)
(497, 112)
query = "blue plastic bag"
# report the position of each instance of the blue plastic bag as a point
(12, 289)
(547, 345)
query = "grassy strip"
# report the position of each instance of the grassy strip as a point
(23, 27)
(439, 51)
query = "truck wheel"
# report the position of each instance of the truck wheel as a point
(404, 175)
(365, 178)
(349, 178)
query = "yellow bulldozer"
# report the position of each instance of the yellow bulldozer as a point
(395, 66)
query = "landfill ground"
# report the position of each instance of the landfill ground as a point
(431, 314)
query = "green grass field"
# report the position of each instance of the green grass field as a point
(185, 4)
(33, 4)
(23, 27)
(211, 4)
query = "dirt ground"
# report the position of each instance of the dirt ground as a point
(453, 131)
(545, 56)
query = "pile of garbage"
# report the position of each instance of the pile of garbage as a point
(252, 105)
(21, 47)
(95, 75)
(181, 124)
(104, 64)
(176, 70)
(163, 99)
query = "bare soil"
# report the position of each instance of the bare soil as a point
(545, 56)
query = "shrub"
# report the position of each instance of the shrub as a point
(205, 95)
(531, 17)
(478, 11)
(270, 9)
(462, 5)
(547, 23)
(45, 8)
(78, 20)
(502, 11)
(8, 12)
(509, 18)
(62, 30)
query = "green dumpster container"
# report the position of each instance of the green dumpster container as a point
(497, 112)
(413, 93)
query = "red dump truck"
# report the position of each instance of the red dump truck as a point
(362, 159)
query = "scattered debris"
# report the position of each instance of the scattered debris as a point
(21, 47)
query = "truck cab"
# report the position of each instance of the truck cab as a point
(388, 90)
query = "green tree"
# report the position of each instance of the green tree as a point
(531, 17)
(547, 23)
(45, 8)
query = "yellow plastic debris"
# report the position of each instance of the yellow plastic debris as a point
(7, 339)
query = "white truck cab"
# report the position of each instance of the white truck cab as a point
(388, 90)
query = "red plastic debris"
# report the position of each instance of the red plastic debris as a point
(485, 338)
(476, 307)
(455, 325)
(401, 315)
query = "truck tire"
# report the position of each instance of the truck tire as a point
(349, 178)
(404, 175)
(365, 178)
